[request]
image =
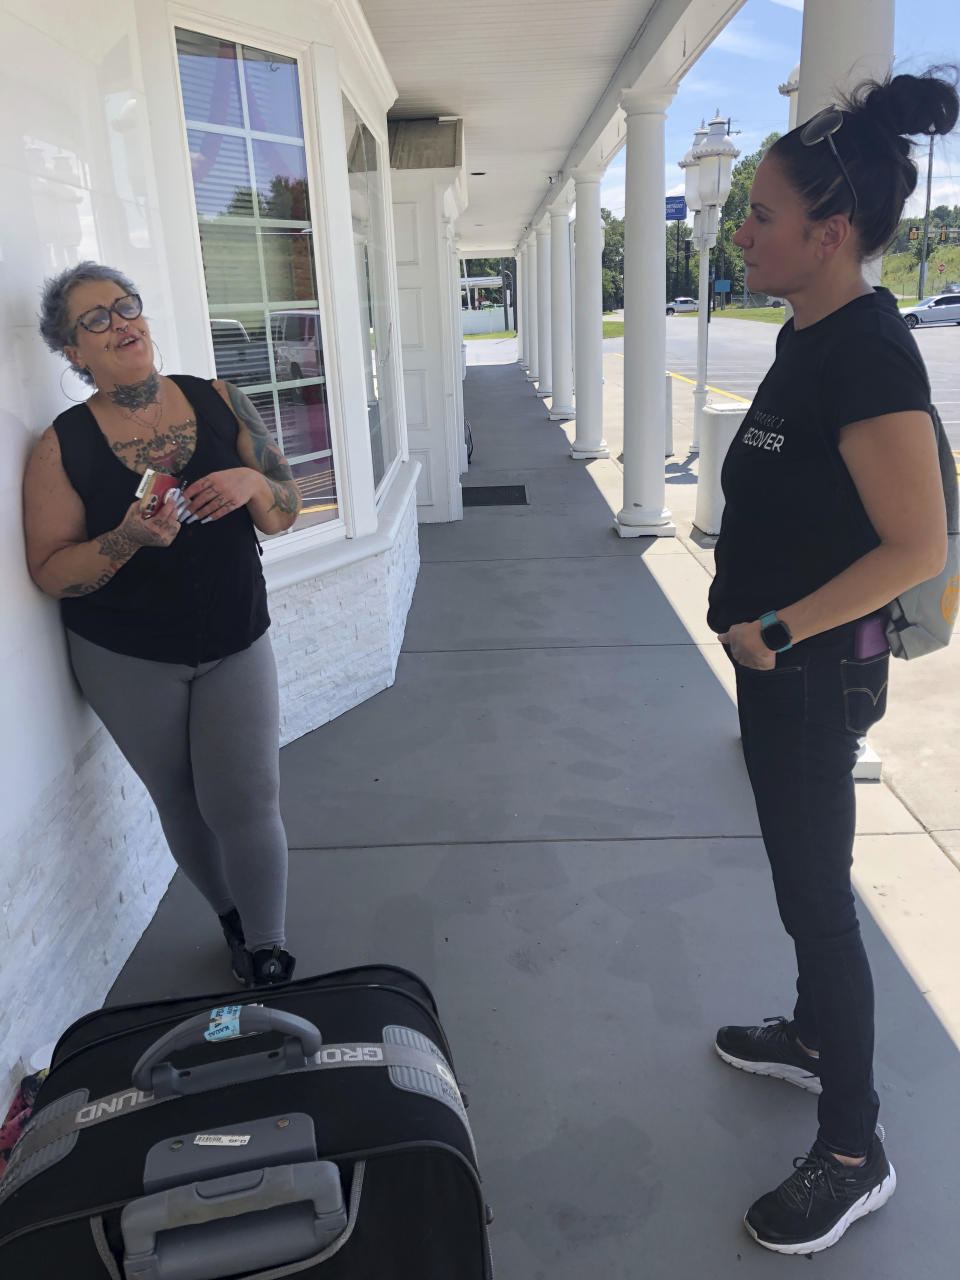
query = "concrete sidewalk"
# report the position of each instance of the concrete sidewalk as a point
(548, 817)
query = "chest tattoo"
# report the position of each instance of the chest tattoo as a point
(167, 451)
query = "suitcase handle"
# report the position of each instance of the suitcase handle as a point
(242, 1222)
(154, 1073)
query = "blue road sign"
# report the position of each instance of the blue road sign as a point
(721, 286)
(676, 208)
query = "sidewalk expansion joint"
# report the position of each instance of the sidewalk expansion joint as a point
(531, 840)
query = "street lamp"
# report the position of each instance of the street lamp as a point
(707, 168)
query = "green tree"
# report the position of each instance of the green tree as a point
(734, 212)
(612, 263)
(492, 267)
(678, 233)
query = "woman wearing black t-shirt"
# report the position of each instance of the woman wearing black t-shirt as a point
(164, 602)
(834, 506)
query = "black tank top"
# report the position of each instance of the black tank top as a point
(199, 599)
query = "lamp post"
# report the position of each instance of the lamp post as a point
(707, 171)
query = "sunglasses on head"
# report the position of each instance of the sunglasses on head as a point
(821, 128)
(99, 319)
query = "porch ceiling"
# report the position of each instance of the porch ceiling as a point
(526, 78)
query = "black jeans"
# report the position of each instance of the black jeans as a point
(800, 725)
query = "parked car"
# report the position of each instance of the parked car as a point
(297, 346)
(943, 309)
(231, 347)
(681, 304)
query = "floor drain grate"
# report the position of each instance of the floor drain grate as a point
(495, 495)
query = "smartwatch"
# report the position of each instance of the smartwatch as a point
(775, 633)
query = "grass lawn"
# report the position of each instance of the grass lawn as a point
(613, 328)
(768, 315)
(900, 271)
(501, 333)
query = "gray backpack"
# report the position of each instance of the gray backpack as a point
(921, 620)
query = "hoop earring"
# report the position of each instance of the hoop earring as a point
(159, 353)
(82, 399)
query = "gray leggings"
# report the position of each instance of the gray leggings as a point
(205, 742)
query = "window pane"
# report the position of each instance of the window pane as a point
(240, 347)
(318, 488)
(369, 235)
(288, 264)
(221, 174)
(281, 174)
(273, 93)
(209, 79)
(230, 263)
(260, 275)
(304, 420)
(297, 352)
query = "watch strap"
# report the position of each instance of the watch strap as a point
(770, 619)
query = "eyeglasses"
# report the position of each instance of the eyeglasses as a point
(99, 320)
(820, 128)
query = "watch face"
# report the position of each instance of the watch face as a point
(776, 636)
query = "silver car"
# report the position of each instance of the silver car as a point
(681, 305)
(944, 309)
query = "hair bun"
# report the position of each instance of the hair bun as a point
(910, 105)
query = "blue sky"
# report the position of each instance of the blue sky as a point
(755, 53)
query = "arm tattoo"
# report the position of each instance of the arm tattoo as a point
(85, 588)
(117, 547)
(270, 461)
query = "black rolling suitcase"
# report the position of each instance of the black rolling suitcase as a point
(313, 1130)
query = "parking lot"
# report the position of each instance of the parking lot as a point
(741, 351)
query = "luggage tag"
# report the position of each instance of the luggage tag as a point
(224, 1023)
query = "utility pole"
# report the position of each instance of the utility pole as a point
(921, 283)
(676, 258)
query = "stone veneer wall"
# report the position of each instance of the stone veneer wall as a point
(337, 638)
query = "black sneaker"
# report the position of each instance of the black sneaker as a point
(769, 1050)
(232, 928)
(812, 1209)
(266, 968)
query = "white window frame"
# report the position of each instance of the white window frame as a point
(390, 281)
(331, 531)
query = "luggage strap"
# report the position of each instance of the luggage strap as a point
(413, 1062)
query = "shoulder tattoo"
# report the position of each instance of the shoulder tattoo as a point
(271, 462)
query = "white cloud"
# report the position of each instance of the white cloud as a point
(943, 191)
(790, 4)
(741, 39)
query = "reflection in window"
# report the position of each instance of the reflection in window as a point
(248, 160)
(370, 252)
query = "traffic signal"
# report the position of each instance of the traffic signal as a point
(914, 233)
(943, 235)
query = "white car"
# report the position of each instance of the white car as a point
(681, 304)
(944, 309)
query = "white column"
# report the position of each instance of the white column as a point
(588, 377)
(544, 340)
(573, 300)
(533, 314)
(519, 304)
(841, 45)
(644, 511)
(561, 354)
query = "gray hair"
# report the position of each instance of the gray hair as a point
(55, 327)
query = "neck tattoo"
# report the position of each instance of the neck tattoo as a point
(136, 395)
(140, 401)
